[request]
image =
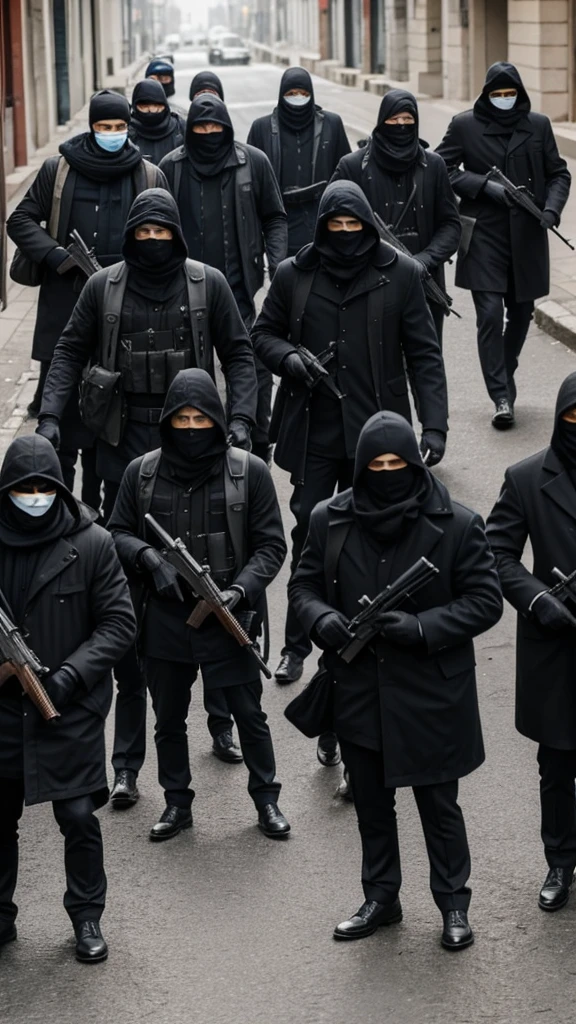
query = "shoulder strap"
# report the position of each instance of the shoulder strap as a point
(235, 491)
(337, 534)
(244, 172)
(146, 479)
(150, 173)
(197, 302)
(62, 172)
(276, 151)
(318, 126)
(300, 294)
(114, 290)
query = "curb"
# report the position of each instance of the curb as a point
(556, 321)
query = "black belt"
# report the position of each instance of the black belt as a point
(151, 416)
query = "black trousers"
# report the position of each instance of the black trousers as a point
(558, 806)
(130, 714)
(261, 432)
(85, 894)
(499, 347)
(438, 318)
(170, 685)
(322, 477)
(442, 823)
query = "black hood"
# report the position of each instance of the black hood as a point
(206, 80)
(154, 206)
(33, 456)
(564, 436)
(396, 148)
(162, 66)
(295, 118)
(197, 389)
(207, 153)
(343, 197)
(501, 76)
(397, 101)
(151, 126)
(386, 432)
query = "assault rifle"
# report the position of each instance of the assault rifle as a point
(364, 626)
(432, 289)
(520, 196)
(316, 367)
(79, 256)
(205, 589)
(17, 659)
(566, 588)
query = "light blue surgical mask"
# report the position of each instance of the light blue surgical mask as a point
(33, 504)
(111, 142)
(503, 102)
(297, 101)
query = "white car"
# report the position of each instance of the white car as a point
(228, 49)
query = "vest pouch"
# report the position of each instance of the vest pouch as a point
(157, 372)
(176, 361)
(102, 404)
(219, 556)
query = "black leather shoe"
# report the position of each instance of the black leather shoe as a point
(225, 749)
(91, 946)
(125, 791)
(457, 932)
(344, 790)
(365, 921)
(8, 934)
(503, 418)
(555, 892)
(290, 668)
(172, 821)
(328, 750)
(272, 822)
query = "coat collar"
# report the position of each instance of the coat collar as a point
(439, 504)
(60, 557)
(557, 484)
(308, 258)
(521, 134)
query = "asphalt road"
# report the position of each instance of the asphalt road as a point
(223, 925)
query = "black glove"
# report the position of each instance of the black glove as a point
(239, 435)
(294, 367)
(434, 442)
(62, 685)
(400, 628)
(56, 257)
(231, 597)
(164, 575)
(494, 190)
(332, 630)
(49, 427)
(549, 219)
(552, 614)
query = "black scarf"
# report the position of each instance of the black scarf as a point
(151, 126)
(192, 456)
(155, 267)
(345, 254)
(85, 156)
(18, 529)
(295, 119)
(209, 153)
(386, 502)
(394, 147)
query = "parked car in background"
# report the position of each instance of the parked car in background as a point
(172, 41)
(228, 49)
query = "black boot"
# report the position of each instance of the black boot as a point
(290, 668)
(125, 791)
(8, 934)
(365, 921)
(172, 821)
(328, 751)
(503, 417)
(91, 946)
(555, 892)
(457, 932)
(272, 822)
(225, 749)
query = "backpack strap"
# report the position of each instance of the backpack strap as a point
(114, 290)
(197, 308)
(276, 152)
(318, 128)
(300, 294)
(62, 171)
(146, 480)
(235, 493)
(337, 534)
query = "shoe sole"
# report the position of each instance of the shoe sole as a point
(228, 760)
(329, 764)
(456, 948)
(502, 424)
(120, 803)
(343, 937)
(164, 839)
(557, 906)
(273, 835)
(10, 938)
(283, 681)
(92, 959)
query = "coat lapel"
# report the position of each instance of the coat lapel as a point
(557, 484)
(61, 556)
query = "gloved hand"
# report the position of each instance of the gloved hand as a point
(494, 190)
(56, 257)
(332, 630)
(400, 628)
(239, 435)
(550, 613)
(62, 685)
(164, 575)
(231, 597)
(49, 427)
(549, 219)
(434, 442)
(294, 367)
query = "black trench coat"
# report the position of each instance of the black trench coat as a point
(429, 717)
(79, 611)
(538, 501)
(470, 148)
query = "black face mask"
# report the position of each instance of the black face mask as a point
(193, 443)
(151, 120)
(565, 442)
(346, 243)
(389, 487)
(399, 136)
(155, 252)
(207, 145)
(169, 88)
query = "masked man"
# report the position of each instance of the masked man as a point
(538, 503)
(162, 70)
(503, 259)
(154, 128)
(206, 82)
(406, 708)
(222, 504)
(355, 301)
(61, 583)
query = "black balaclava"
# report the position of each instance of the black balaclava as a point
(396, 147)
(345, 254)
(386, 502)
(84, 154)
(206, 80)
(209, 154)
(564, 436)
(192, 456)
(295, 119)
(161, 66)
(32, 458)
(502, 76)
(154, 264)
(151, 126)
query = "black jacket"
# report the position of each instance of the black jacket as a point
(156, 144)
(528, 156)
(164, 630)
(105, 214)
(384, 320)
(422, 701)
(78, 610)
(257, 218)
(437, 219)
